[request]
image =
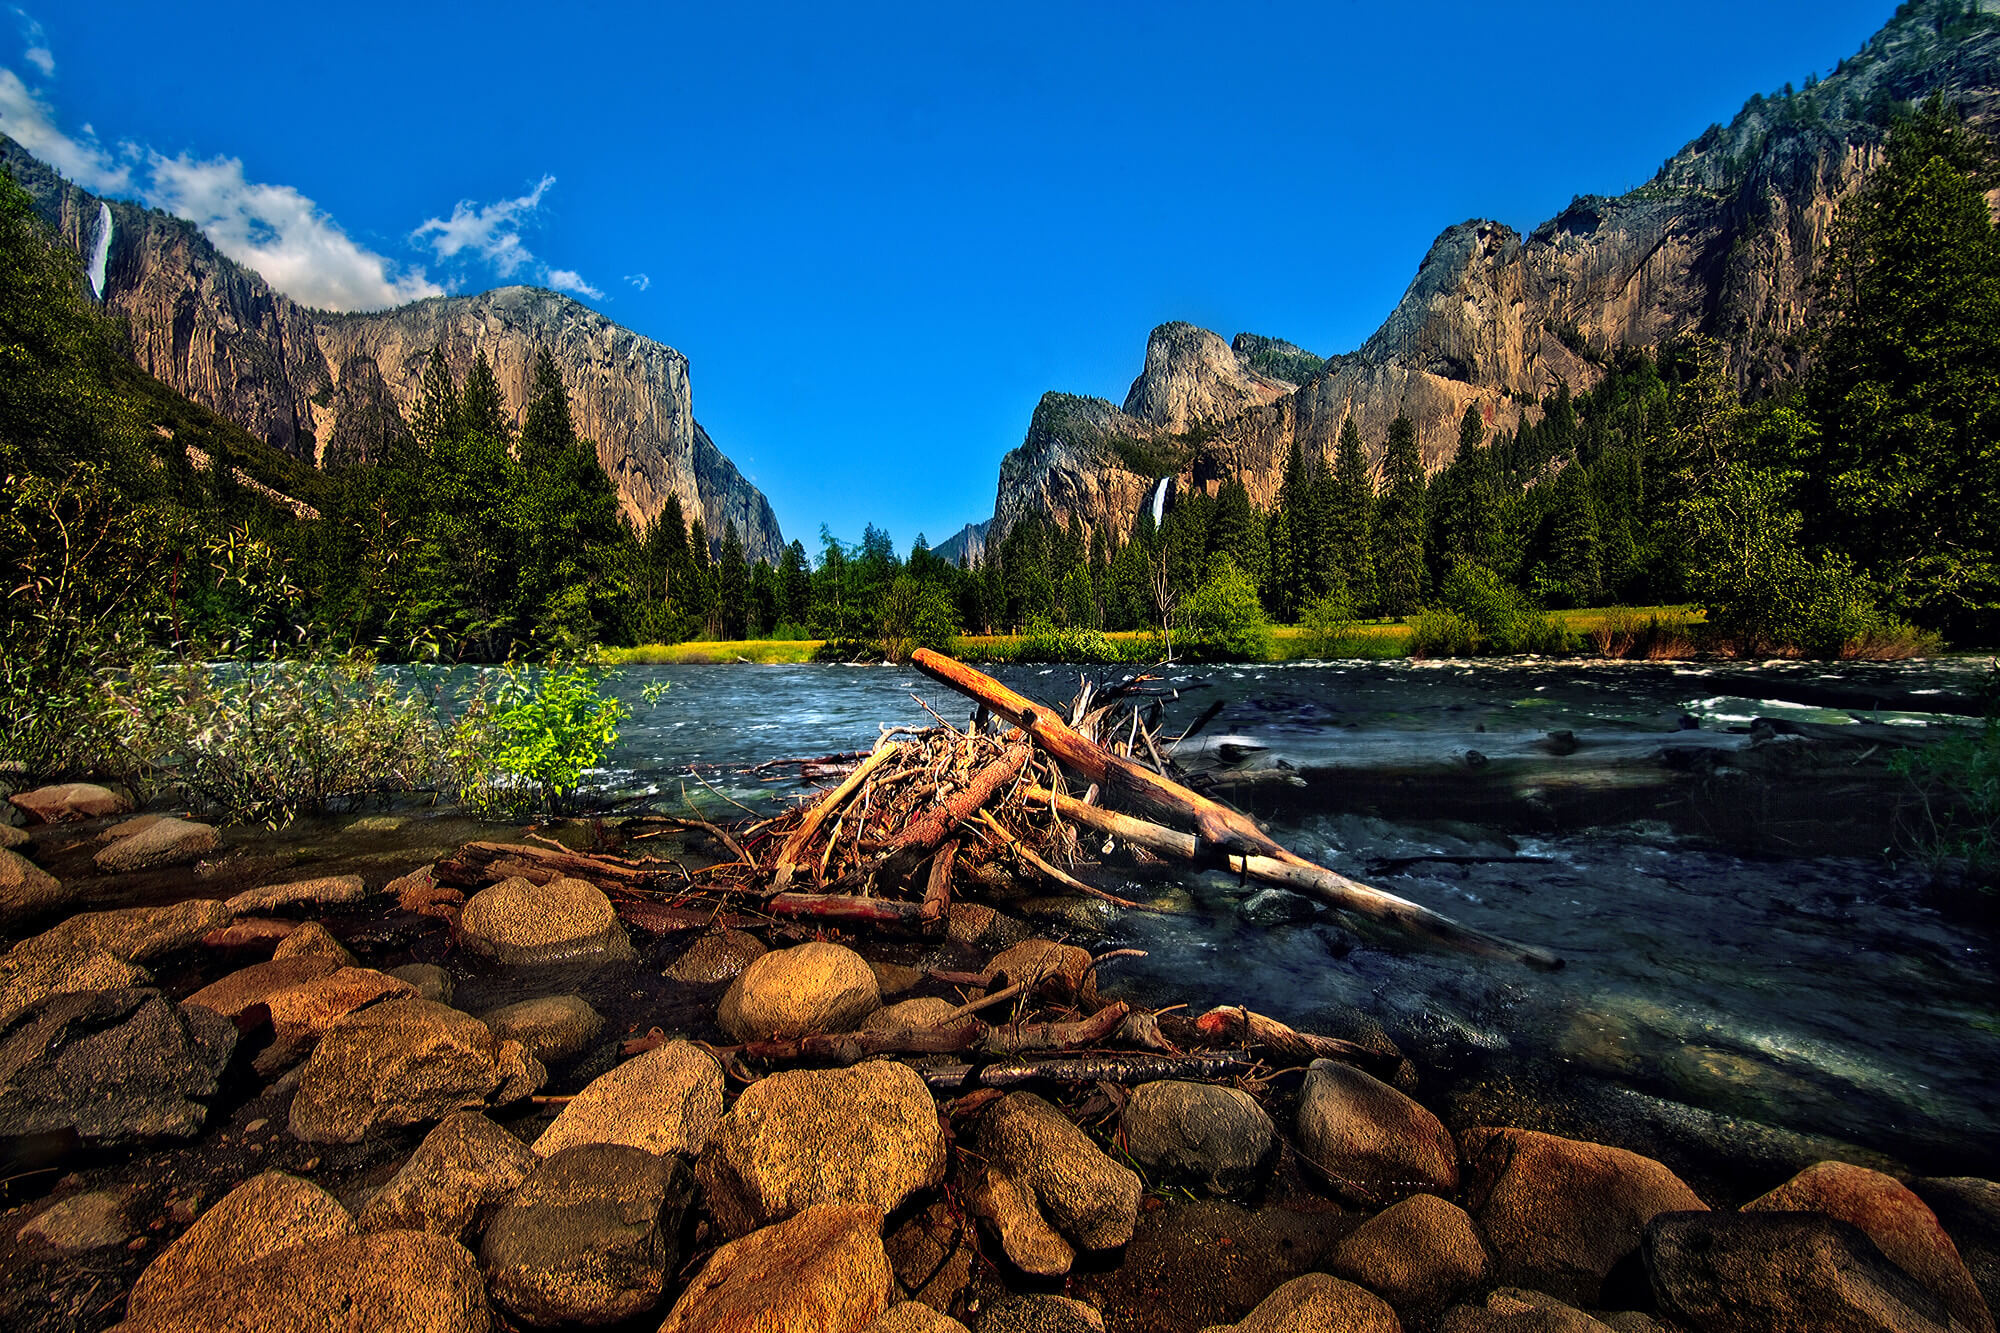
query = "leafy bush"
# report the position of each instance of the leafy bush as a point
(1438, 631)
(1046, 641)
(275, 740)
(1621, 633)
(915, 615)
(528, 747)
(1329, 624)
(1501, 619)
(1222, 620)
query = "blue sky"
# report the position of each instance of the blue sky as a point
(880, 233)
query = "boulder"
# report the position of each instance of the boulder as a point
(1422, 1253)
(1039, 1312)
(326, 889)
(589, 1237)
(1215, 1258)
(462, 1167)
(926, 1012)
(667, 1100)
(1768, 1272)
(170, 842)
(313, 940)
(915, 1317)
(265, 1215)
(518, 923)
(135, 934)
(232, 995)
(27, 980)
(125, 828)
(808, 988)
(12, 838)
(1058, 970)
(1560, 1213)
(79, 1224)
(1026, 1238)
(1316, 1303)
(409, 1281)
(1969, 1209)
(553, 1028)
(1219, 1137)
(26, 890)
(823, 1270)
(1085, 1195)
(1902, 1226)
(1368, 1141)
(302, 1013)
(717, 955)
(405, 1061)
(69, 801)
(112, 1066)
(432, 982)
(1516, 1310)
(868, 1134)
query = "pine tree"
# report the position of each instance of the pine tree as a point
(483, 410)
(436, 417)
(1350, 524)
(1399, 528)
(1573, 572)
(732, 586)
(795, 584)
(1464, 510)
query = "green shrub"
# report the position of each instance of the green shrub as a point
(1222, 620)
(275, 740)
(915, 615)
(1502, 619)
(1329, 625)
(528, 747)
(848, 650)
(1438, 631)
(1046, 641)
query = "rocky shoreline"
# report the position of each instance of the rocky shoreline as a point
(344, 1101)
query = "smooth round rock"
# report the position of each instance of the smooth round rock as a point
(718, 955)
(1367, 1140)
(824, 1269)
(667, 1100)
(553, 1028)
(1217, 1136)
(815, 987)
(170, 842)
(463, 1166)
(1091, 1200)
(1317, 1303)
(325, 889)
(67, 801)
(432, 982)
(1422, 1253)
(518, 923)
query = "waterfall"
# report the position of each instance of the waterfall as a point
(100, 253)
(1160, 500)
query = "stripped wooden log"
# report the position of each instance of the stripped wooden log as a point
(795, 845)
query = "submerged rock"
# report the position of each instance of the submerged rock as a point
(1317, 1303)
(718, 955)
(553, 1028)
(868, 1134)
(1765, 1271)
(1217, 1136)
(69, 801)
(589, 1237)
(463, 1166)
(824, 1270)
(519, 923)
(170, 842)
(1369, 1141)
(795, 992)
(112, 1066)
(404, 1062)
(1901, 1225)
(1560, 1213)
(668, 1099)
(432, 982)
(409, 1281)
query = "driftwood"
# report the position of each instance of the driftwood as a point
(936, 909)
(848, 907)
(1334, 889)
(1118, 1068)
(795, 844)
(922, 835)
(1240, 1025)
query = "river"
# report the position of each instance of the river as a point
(1715, 989)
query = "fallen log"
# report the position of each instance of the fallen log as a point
(848, 907)
(1233, 1022)
(660, 919)
(788, 855)
(474, 864)
(937, 891)
(1089, 1069)
(1334, 889)
(1057, 1036)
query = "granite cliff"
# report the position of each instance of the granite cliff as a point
(318, 385)
(1724, 242)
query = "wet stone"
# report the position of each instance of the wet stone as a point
(1216, 1136)
(1518, 1310)
(26, 890)
(553, 1028)
(265, 1215)
(718, 955)
(326, 889)
(668, 1099)
(79, 1223)
(1421, 1253)
(824, 1270)
(462, 1167)
(519, 923)
(432, 982)
(69, 801)
(170, 842)
(112, 1066)
(1370, 1142)
(313, 940)
(1317, 1303)
(795, 992)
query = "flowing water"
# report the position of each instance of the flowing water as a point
(1715, 992)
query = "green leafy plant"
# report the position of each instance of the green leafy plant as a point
(1046, 641)
(1329, 624)
(1438, 631)
(1222, 620)
(527, 748)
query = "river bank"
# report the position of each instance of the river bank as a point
(1726, 1018)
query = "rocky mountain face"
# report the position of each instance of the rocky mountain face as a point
(1724, 242)
(967, 546)
(324, 387)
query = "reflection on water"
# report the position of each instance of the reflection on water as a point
(1814, 993)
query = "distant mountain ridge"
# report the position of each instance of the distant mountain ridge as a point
(1724, 241)
(316, 385)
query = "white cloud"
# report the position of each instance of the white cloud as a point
(492, 231)
(38, 53)
(27, 119)
(639, 280)
(569, 280)
(282, 235)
